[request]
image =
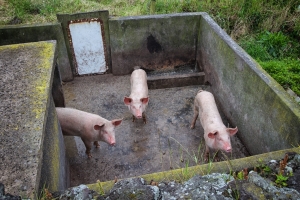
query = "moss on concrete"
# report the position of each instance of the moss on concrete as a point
(183, 174)
(26, 75)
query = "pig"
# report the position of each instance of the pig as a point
(138, 99)
(90, 127)
(216, 135)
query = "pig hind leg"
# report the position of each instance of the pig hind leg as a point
(196, 113)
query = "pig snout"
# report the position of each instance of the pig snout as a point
(227, 148)
(138, 114)
(113, 144)
(111, 141)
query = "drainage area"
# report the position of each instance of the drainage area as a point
(165, 142)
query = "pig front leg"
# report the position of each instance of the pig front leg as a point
(196, 113)
(88, 147)
(144, 118)
(206, 154)
(133, 118)
(97, 145)
(216, 157)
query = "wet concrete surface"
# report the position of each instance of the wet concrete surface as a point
(165, 142)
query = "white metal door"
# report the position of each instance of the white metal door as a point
(88, 47)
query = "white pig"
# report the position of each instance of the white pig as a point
(138, 99)
(88, 126)
(216, 135)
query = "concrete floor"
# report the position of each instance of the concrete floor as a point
(165, 142)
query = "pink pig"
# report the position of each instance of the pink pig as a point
(138, 99)
(216, 135)
(88, 126)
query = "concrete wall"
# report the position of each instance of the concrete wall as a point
(267, 118)
(54, 173)
(15, 34)
(153, 42)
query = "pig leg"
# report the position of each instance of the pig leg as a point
(206, 154)
(97, 145)
(196, 113)
(216, 157)
(88, 147)
(133, 118)
(144, 118)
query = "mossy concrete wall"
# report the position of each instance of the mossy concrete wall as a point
(15, 34)
(267, 117)
(153, 42)
(27, 118)
(54, 174)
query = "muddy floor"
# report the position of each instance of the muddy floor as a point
(165, 142)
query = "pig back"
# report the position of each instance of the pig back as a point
(76, 122)
(139, 87)
(208, 111)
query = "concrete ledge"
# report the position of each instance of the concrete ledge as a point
(15, 34)
(26, 72)
(178, 80)
(183, 174)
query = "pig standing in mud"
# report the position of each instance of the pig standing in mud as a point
(216, 135)
(88, 126)
(138, 99)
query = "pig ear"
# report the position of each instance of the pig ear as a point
(232, 131)
(145, 100)
(127, 100)
(212, 135)
(116, 122)
(98, 126)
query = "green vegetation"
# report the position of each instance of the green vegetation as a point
(268, 30)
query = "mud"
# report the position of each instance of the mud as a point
(165, 142)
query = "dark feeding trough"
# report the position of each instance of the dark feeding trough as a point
(181, 53)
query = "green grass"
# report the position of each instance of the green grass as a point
(286, 72)
(268, 30)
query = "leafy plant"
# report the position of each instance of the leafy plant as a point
(281, 180)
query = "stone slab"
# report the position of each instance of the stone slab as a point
(26, 72)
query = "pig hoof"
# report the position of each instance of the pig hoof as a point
(217, 159)
(192, 127)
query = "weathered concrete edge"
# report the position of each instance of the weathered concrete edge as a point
(14, 34)
(183, 174)
(54, 174)
(179, 80)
